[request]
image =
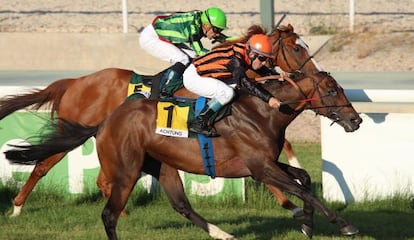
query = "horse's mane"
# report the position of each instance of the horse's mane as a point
(257, 29)
(254, 29)
(284, 28)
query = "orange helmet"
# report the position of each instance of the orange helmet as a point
(260, 44)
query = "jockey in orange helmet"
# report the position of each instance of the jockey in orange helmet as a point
(212, 74)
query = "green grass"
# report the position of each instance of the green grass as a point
(49, 216)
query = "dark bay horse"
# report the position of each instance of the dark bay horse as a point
(251, 139)
(89, 99)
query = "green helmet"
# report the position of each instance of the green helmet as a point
(214, 16)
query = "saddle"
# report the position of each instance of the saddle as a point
(148, 86)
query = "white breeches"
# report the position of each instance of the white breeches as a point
(149, 40)
(207, 86)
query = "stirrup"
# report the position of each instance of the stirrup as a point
(209, 132)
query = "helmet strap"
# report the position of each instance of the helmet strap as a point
(251, 59)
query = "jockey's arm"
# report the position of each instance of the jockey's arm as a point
(224, 38)
(239, 74)
(267, 71)
(198, 48)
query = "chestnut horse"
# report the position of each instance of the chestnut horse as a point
(251, 139)
(89, 99)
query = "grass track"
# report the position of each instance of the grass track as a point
(49, 216)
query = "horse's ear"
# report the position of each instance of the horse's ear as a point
(290, 27)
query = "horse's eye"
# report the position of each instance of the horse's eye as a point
(332, 92)
(296, 49)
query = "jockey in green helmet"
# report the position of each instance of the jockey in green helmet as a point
(216, 18)
(167, 38)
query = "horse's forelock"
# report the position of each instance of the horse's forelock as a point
(284, 28)
(255, 29)
(252, 30)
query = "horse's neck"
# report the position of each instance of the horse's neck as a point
(264, 119)
(294, 91)
(259, 110)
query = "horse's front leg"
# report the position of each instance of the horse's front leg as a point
(275, 175)
(290, 154)
(297, 212)
(305, 180)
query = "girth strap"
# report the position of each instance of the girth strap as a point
(206, 146)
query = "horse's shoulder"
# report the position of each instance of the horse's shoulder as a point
(183, 92)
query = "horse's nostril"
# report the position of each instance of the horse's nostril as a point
(357, 120)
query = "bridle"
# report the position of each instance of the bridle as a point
(306, 102)
(282, 48)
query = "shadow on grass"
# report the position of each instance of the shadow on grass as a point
(380, 224)
(6, 198)
(262, 227)
(384, 224)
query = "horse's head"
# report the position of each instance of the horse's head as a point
(320, 93)
(291, 52)
(328, 99)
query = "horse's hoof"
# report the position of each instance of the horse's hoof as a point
(298, 214)
(307, 230)
(349, 230)
(16, 211)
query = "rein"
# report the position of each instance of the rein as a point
(307, 100)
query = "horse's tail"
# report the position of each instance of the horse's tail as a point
(68, 136)
(36, 98)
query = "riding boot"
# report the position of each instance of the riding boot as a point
(171, 80)
(202, 123)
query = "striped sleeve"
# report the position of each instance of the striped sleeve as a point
(177, 28)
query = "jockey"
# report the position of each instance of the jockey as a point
(211, 74)
(166, 38)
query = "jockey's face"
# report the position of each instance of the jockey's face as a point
(211, 32)
(258, 61)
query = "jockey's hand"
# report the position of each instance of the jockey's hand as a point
(223, 38)
(286, 109)
(274, 103)
(220, 38)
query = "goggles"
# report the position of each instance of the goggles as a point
(261, 58)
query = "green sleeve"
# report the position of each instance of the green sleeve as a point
(198, 48)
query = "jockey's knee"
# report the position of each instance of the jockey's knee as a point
(224, 94)
(184, 59)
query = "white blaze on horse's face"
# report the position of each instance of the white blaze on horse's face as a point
(299, 41)
(302, 43)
